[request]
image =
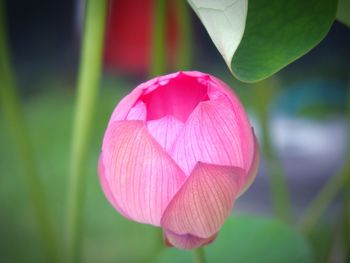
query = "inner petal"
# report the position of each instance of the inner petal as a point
(138, 112)
(165, 130)
(177, 97)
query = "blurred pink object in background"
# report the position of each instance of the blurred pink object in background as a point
(128, 45)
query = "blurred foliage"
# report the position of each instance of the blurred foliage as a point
(314, 98)
(343, 12)
(107, 235)
(251, 240)
(321, 239)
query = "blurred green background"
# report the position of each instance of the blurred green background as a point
(308, 128)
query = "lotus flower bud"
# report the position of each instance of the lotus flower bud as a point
(177, 152)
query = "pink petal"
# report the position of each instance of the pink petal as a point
(137, 112)
(153, 84)
(177, 96)
(165, 130)
(186, 241)
(216, 85)
(121, 111)
(213, 134)
(204, 201)
(106, 189)
(141, 176)
(253, 171)
(124, 106)
(195, 74)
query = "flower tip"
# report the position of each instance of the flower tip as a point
(187, 241)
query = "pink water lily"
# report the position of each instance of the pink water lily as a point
(177, 152)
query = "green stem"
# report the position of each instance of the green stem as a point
(264, 93)
(158, 59)
(185, 35)
(320, 203)
(199, 255)
(346, 209)
(345, 226)
(338, 182)
(13, 114)
(278, 184)
(88, 82)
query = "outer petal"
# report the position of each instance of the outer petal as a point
(215, 85)
(141, 176)
(121, 111)
(165, 130)
(204, 201)
(186, 241)
(253, 171)
(213, 134)
(106, 189)
(137, 112)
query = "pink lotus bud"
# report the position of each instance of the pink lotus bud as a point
(177, 152)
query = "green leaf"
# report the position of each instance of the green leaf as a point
(224, 21)
(276, 32)
(343, 12)
(172, 255)
(250, 239)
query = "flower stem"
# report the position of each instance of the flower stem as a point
(199, 255)
(264, 93)
(13, 114)
(158, 61)
(320, 203)
(345, 227)
(338, 182)
(88, 82)
(185, 35)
